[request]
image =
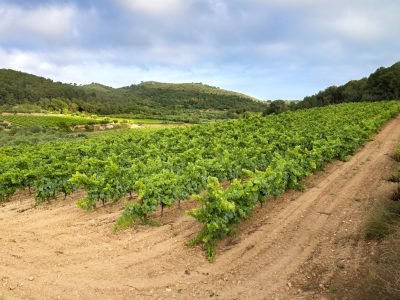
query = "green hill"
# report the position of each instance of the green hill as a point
(21, 92)
(383, 84)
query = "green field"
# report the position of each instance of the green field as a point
(16, 129)
(133, 119)
(32, 120)
(28, 121)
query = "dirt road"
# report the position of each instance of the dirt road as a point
(295, 247)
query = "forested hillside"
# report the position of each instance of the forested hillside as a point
(383, 84)
(22, 92)
(25, 92)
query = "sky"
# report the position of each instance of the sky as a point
(269, 49)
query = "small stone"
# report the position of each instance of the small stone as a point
(187, 272)
(31, 278)
(340, 264)
(168, 290)
(289, 284)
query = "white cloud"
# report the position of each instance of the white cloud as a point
(356, 27)
(155, 7)
(85, 68)
(274, 49)
(51, 23)
(286, 2)
(229, 43)
(24, 61)
(367, 23)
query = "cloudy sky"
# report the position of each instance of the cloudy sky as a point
(269, 49)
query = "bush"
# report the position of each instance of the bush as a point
(35, 129)
(395, 177)
(89, 127)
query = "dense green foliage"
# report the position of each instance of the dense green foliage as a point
(35, 135)
(383, 84)
(266, 155)
(307, 141)
(32, 129)
(23, 92)
(28, 121)
(18, 87)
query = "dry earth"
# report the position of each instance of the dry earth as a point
(302, 245)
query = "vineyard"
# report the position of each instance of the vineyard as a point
(27, 121)
(260, 157)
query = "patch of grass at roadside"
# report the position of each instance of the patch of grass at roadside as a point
(396, 154)
(396, 194)
(381, 271)
(381, 274)
(382, 220)
(395, 177)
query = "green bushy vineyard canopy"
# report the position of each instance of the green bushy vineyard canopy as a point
(263, 156)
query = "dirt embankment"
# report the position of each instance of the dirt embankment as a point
(295, 247)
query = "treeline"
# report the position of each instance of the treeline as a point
(189, 102)
(383, 84)
(22, 92)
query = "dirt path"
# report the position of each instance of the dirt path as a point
(295, 246)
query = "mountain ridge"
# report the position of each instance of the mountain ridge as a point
(147, 99)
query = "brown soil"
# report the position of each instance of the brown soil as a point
(302, 245)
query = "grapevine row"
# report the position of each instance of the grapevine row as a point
(266, 155)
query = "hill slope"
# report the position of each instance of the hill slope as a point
(383, 84)
(147, 99)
